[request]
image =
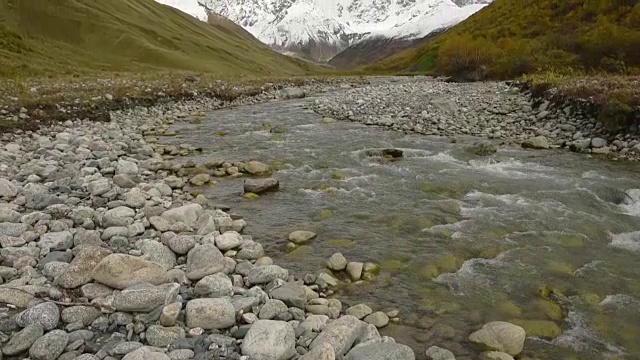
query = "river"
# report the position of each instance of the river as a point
(549, 240)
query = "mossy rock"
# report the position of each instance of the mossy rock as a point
(251, 196)
(439, 307)
(559, 268)
(509, 308)
(300, 252)
(290, 247)
(442, 232)
(344, 243)
(324, 215)
(571, 240)
(221, 133)
(278, 165)
(544, 329)
(393, 265)
(545, 308)
(277, 137)
(450, 206)
(592, 299)
(361, 217)
(449, 192)
(338, 175)
(445, 264)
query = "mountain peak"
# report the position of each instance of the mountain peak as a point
(319, 29)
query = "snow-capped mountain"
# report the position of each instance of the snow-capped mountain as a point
(319, 29)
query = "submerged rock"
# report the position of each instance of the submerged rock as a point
(500, 336)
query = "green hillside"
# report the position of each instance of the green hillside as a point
(513, 37)
(42, 37)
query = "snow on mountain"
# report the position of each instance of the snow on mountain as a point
(319, 29)
(191, 7)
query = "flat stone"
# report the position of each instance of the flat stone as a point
(379, 319)
(22, 340)
(187, 214)
(46, 314)
(268, 339)
(13, 229)
(500, 336)
(291, 294)
(360, 311)
(124, 181)
(145, 297)
(229, 240)
(160, 336)
(437, 353)
(83, 314)
(210, 313)
(216, 285)
(259, 186)
(340, 334)
(381, 351)
(121, 271)
(204, 260)
(266, 274)
(159, 223)
(301, 236)
(50, 346)
(79, 270)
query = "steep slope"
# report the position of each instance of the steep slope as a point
(73, 36)
(510, 38)
(319, 29)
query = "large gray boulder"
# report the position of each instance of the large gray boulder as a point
(340, 334)
(268, 339)
(204, 260)
(121, 271)
(210, 313)
(50, 346)
(500, 336)
(187, 214)
(145, 297)
(381, 351)
(259, 186)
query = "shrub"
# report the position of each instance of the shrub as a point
(466, 57)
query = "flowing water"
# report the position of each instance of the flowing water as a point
(546, 239)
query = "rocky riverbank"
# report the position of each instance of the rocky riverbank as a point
(492, 110)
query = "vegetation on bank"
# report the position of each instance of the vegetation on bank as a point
(510, 38)
(77, 37)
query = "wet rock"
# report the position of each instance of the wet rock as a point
(46, 314)
(392, 153)
(354, 270)
(145, 297)
(200, 179)
(337, 262)
(259, 186)
(379, 319)
(293, 93)
(204, 260)
(210, 313)
(381, 351)
(50, 346)
(482, 148)
(301, 236)
(538, 142)
(437, 353)
(340, 334)
(256, 168)
(121, 271)
(22, 340)
(598, 143)
(161, 336)
(360, 311)
(269, 339)
(326, 280)
(291, 294)
(500, 336)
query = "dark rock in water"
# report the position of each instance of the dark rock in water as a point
(258, 186)
(483, 148)
(388, 153)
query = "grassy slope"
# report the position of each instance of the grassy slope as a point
(511, 37)
(42, 37)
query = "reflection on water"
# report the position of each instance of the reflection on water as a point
(548, 240)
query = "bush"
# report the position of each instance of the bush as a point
(466, 57)
(616, 115)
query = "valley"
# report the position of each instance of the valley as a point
(319, 180)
